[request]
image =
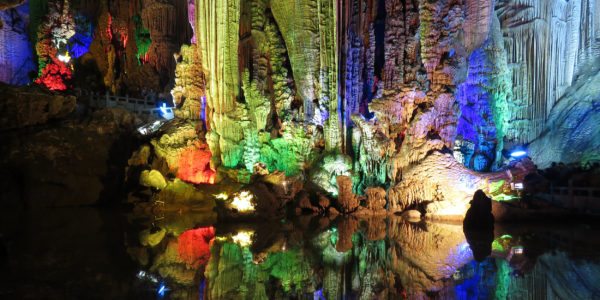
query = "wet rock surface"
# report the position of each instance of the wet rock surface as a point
(22, 107)
(73, 162)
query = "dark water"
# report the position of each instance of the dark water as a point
(87, 253)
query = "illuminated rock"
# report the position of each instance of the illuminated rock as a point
(375, 198)
(428, 257)
(180, 148)
(169, 27)
(446, 183)
(188, 92)
(153, 179)
(572, 134)
(332, 166)
(412, 215)
(545, 66)
(346, 199)
(194, 165)
(140, 157)
(193, 246)
(152, 238)
(180, 192)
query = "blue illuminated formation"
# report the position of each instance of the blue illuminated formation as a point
(477, 280)
(16, 56)
(476, 123)
(80, 43)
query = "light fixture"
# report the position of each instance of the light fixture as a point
(166, 112)
(222, 196)
(243, 238)
(66, 58)
(242, 202)
(518, 153)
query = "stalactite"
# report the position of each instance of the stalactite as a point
(217, 25)
(546, 42)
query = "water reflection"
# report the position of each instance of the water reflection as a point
(372, 258)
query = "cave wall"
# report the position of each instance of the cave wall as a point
(372, 89)
(546, 43)
(121, 46)
(16, 60)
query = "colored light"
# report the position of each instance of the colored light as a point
(518, 153)
(166, 112)
(243, 202)
(222, 196)
(243, 238)
(162, 289)
(517, 250)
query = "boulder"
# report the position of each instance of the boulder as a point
(412, 215)
(153, 179)
(152, 237)
(140, 157)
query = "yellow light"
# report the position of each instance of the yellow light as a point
(243, 238)
(222, 196)
(243, 202)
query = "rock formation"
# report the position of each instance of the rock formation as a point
(23, 107)
(405, 96)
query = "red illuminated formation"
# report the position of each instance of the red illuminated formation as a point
(194, 165)
(194, 246)
(54, 75)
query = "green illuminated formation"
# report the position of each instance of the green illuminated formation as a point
(231, 263)
(142, 38)
(502, 279)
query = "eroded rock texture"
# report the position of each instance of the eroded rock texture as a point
(546, 42)
(423, 258)
(572, 133)
(270, 72)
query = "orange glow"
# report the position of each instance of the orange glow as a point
(194, 165)
(194, 246)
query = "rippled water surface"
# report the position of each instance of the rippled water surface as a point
(86, 253)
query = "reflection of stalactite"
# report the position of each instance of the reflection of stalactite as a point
(346, 228)
(423, 258)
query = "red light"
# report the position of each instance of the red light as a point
(194, 165)
(54, 75)
(194, 246)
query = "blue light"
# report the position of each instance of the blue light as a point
(162, 289)
(166, 112)
(518, 153)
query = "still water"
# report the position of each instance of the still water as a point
(86, 253)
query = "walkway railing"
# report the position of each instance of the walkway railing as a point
(583, 198)
(143, 107)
